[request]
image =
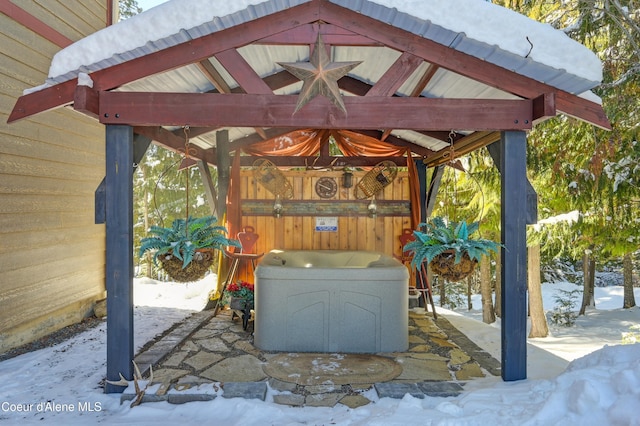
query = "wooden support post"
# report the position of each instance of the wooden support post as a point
(119, 244)
(224, 166)
(513, 167)
(223, 162)
(209, 188)
(422, 182)
(140, 146)
(434, 187)
(532, 195)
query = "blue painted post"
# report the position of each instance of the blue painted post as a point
(532, 196)
(119, 248)
(513, 166)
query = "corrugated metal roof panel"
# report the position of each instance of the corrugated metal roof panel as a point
(420, 139)
(461, 42)
(375, 60)
(264, 58)
(187, 79)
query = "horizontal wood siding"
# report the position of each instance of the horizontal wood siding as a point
(355, 232)
(51, 252)
(73, 19)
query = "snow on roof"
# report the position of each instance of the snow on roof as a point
(479, 20)
(152, 25)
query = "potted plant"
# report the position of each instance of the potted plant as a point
(448, 248)
(239, 296)
(186, 249)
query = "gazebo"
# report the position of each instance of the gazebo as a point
(428, 83)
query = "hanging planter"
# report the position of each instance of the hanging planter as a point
(194, 271)
(445, 265)
(186, 249)
(448, 248)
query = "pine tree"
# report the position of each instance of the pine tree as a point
(587, 169)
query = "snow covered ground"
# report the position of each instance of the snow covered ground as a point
(579, 375)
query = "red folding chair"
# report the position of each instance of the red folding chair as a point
(420, 273)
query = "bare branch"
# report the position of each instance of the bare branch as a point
(137, 376)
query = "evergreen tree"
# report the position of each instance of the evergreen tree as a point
(128, 8)
(588, 169)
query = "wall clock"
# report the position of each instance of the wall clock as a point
(326, 187)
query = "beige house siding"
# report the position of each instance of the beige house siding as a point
(51, 252)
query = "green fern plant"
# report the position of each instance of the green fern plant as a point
(440, 236)
(185, 237)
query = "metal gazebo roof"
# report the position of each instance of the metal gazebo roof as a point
(446, 86)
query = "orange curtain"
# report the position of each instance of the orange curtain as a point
(354, 144)
(298, 142)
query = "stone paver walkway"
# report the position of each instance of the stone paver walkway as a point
(206, 357)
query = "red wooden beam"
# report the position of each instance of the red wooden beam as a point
(582, 109)
(173, 57)
(308, 34)
(244, 110)
(242, 72)
(44, 100)
(34, 24)
(175, 143)
(86, 101)
(461, 63)
(396, 75)
(211, 73)
(280, 79)
(544, 107)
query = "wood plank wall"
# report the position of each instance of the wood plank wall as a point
(51, 252)
(355, 232)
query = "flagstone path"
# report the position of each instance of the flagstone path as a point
(208, 356)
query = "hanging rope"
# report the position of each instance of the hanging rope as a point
(452, 151)
(451, 154)
(186, 156)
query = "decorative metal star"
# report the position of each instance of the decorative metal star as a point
(319, 76)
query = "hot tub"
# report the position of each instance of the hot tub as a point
(331, 301)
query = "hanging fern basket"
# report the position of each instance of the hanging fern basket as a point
(445, 266)
(194, 271)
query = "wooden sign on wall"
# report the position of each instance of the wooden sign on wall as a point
(326, 208)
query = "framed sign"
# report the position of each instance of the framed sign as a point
(326, 224)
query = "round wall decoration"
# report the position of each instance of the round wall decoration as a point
(326, 187)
